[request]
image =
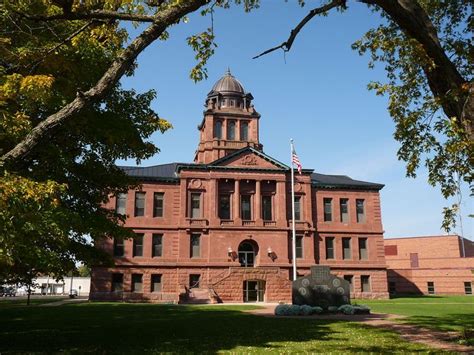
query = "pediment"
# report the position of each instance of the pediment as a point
(249, 158)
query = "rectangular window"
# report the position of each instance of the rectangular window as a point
(119, 249)
(350, 279)
(244, 131)
(363, 253)
(414, 260)
(117, 282)
(157, 245)
(121, 204)
(246, 208)
(329, 247)
(218, 130)
(139, 204)
(344, 209)
(156, 283)
(267, 208)
(327, 209)
(195, 245)
(158, 202)
(431, 287)
(195, 205)
(297, 208)
(365, 283)
(194, 280)
(137, 284)
(224, 206)
(468, 288)
(360, 210)
(299, 247)
(346, 249)
(138, 245)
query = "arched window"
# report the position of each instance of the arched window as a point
(247, 252)
(231, 131)
(244, 131)
(218, 129)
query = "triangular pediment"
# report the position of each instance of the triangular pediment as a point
(249, 158)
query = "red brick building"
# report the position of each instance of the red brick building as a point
(430, 265)
(219, 228)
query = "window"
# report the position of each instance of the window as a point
(224, 206)
(231, 130)
(431, 287)
(121, 204)
(297, 208)
(138, 245)
(350, 279)
(137, 284)
(119, 249)
(327, 209)
(468, 288)
(194, 280)
(365, 283)
(245, 206)
(266, 207)
(244, 131)
(363, 254)
(218, 129)
(117, 282)
(195, 245)
(157, 245)
(195, 205)
(158, 198)
(344, 208)
(299, 247)
(346, 248)
(156, 283)
(329, 247)
(139, 204)
(360, 210)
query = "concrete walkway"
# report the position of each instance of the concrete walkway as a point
(435, 339)
(63, 301)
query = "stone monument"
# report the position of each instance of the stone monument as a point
(320, 288)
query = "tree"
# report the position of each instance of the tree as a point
(426, 46)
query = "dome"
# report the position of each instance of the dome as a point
(227, 84)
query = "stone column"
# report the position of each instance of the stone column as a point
(258, 203)
(280, 204)
(212, 206)
(236, 205)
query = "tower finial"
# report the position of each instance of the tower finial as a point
(228, 71)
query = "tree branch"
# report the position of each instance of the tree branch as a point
(286, 46)
(90, 15)
(118, 67)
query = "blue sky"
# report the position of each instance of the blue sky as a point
(315, 94)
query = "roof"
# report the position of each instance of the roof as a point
(227, 84)
(163, 172)
(342, 181)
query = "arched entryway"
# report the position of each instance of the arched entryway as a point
(248, 250)
(254, 291)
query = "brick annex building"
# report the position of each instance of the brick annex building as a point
(219, 228)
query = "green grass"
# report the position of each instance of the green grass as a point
(436, 312)
(138, 328)
(21, 302)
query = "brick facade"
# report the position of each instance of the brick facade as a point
(234, 204)
(414, 262)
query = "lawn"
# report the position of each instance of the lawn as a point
(437, 312)
(137, 328)
(34, 301)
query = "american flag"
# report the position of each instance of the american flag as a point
(296, 161)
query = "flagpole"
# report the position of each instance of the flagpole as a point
(293, 239)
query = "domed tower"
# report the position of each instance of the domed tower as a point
(230, 121)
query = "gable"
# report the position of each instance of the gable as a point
(249, 158)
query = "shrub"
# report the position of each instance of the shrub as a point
(294, 310)
(306, 310)
(282, 310)
(346, 309)
(316, 310)
(333, 309)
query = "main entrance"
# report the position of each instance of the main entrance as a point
(254, 291)
(246, 254)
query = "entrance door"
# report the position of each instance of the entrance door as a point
(254, 291)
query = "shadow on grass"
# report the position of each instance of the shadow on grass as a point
(136, 328)
(445, 322)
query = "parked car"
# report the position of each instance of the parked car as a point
(73, 293)
(7, 292)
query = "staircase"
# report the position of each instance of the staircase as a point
(198, 296)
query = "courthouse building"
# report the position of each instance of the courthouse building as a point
(219, 229)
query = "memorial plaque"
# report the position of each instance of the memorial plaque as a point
(321, 288)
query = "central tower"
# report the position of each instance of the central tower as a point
(230, 121)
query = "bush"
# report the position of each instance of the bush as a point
(282, 310)
(316, 310)
(294, 310)
(346, 309)
(306, 310)
(333, 309)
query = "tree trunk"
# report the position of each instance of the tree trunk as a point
(29, 295)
